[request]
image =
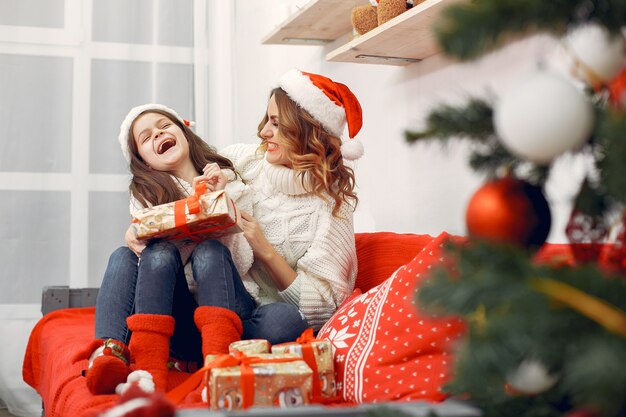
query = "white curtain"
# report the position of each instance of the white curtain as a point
(69, 72)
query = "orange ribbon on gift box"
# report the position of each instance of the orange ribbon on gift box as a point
(308, 355)
(225, 361)
(192, 203)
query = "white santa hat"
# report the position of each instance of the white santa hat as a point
(133, 114)
(330, 103)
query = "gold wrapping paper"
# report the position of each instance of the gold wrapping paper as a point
(323, 359)
(216, 217)
(250, 346)
(285, 384)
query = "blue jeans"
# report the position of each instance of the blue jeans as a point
(157, 285)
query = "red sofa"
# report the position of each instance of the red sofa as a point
(59, 345)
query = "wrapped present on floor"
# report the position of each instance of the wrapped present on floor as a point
(250, 346)
(318, 355)
(236, 381)
(202, 215)
(263, 380)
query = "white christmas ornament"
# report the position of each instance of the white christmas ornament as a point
(531, 377)
(543, 117)
(598, 56)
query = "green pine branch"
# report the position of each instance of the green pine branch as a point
(468, 30)
(509, 321)
(473, 121)
(610, 133)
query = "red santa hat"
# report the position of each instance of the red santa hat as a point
(329, 102)
(133, 114)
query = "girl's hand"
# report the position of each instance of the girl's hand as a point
(261, 248)
(132, 242)
(215, 176)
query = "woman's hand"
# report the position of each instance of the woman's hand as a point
(212, 173)
(132, 242)
(261, 248)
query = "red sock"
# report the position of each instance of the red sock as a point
(109, 369)
(219, 327)
(150, 345)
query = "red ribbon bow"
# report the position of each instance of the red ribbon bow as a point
(192, 203)
(308, 354)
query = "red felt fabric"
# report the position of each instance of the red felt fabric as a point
(381, 253)
(54, 359)
(57, 352)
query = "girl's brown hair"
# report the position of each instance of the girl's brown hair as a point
(158, 187)
(312, 149)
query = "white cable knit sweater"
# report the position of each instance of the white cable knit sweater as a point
(302, 229)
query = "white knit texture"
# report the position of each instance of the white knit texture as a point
(318, 246)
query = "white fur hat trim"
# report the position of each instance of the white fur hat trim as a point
(301, 90)
(352, 149)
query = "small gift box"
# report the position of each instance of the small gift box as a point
(250, 346)
(202, 215)
(261, 380)
(318, 355)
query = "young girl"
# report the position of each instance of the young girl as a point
(142, 305)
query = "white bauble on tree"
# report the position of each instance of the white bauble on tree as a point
(598, 55)
(543, 117)
(531, 377)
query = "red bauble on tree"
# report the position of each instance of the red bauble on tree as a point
(509, 210)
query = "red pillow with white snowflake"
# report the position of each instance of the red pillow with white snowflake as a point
(384, 348)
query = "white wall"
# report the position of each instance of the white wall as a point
(404, 188)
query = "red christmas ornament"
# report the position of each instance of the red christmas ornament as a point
(509, 210)
(585, 234)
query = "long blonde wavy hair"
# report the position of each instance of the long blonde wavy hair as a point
(310, 148)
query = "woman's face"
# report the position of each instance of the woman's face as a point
(276, 152)
(160, 142)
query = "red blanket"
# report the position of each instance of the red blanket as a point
(57, 353)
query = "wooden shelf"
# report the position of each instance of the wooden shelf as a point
(403, 40)
(317, 23)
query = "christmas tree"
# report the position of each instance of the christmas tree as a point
(543, 338)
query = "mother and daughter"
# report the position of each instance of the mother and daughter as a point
(171, 303)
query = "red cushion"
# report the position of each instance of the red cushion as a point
(384, 348)
(381, 253)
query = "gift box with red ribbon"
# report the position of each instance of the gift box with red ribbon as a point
(236, 381)
(202, 215)
(318, 355)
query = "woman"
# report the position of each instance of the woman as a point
(303, 198)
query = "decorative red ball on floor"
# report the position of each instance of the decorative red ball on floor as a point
(509, 210)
